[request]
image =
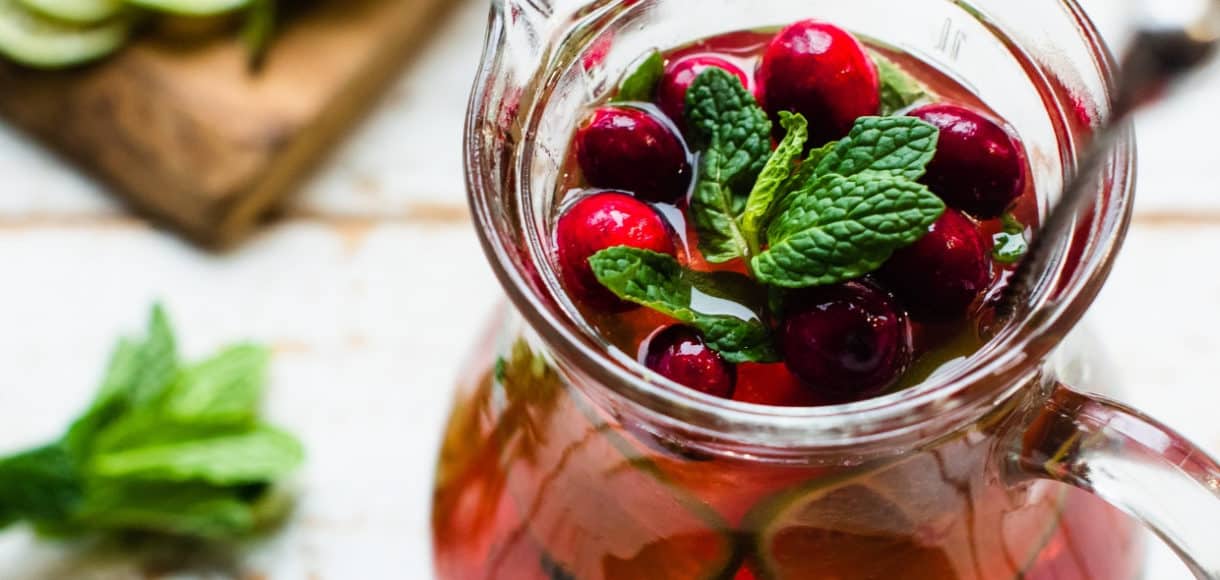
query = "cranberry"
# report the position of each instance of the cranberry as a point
(629, 149)
(822, 72)
(848, 341)
(599, 221)
(979, 167)
(680, 354)
(773, 385)
(680, 74)
(942, 274)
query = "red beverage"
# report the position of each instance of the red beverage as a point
(551, 477)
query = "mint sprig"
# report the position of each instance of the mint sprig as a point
(774, 177)
(640, 84)
(165, 447)
(659, 282)
(859, 205)
(733, 134)
(900, 147)
(843, 227)
(1010, 244)
(899, 90)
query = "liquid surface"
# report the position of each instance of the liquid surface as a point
(938, 347)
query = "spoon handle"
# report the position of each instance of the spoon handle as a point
(1156, 60)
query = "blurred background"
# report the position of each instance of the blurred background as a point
(369, 285)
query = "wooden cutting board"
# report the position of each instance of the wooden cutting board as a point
(186, 133)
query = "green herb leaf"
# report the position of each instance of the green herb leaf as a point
(258, 30)
(158, 360)
(640, 85)
(139, 372)
(842, 227)
(659, 282)
(260, 455)
(897, 146)
(225, 389)
(899, 90)
(42, 484)
(160, 449)
(774, 176)
(192, 510)
(734, 135)
(1010, 244)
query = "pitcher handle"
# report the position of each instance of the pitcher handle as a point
(1132, 461)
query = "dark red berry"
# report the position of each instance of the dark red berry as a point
(680, 354)
(599, 221)
(630, 149)
(822, 72)
(773, 385)
(681, 74)
(979, 167)
(941, 275)
(849, 341)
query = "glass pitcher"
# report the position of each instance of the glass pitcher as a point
(561, 462)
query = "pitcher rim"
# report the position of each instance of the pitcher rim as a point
(1007, 363)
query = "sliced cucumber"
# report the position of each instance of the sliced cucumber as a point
(192, 7)
(41, 42)
(76, 11)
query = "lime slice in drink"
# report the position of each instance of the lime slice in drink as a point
(621, 519)
(192, 7)
(76, 11)
(42, 42)
(843, 529)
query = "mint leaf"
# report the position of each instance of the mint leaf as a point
(138, 373)
(659, 282)
(774, 176)
(734, 135)
(1010, 244)
(42, 484)
(160, 449)
(899, 90)
(158, 360)
(258, 30)
(640, 85)
(220, 395)
(111, 400)
(225, 389)
(192, 510)
(264, 454)
(842, 227)
(897, 146)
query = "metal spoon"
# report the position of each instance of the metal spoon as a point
(1160, 55)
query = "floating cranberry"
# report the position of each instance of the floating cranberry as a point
(628, 148)
(774, 385)
(849, 341)
(942, 274)
(681, 74)
(822, 72)
(979, 167)
(599, 221)
(680, 354)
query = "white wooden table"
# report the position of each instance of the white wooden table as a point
(373, 287)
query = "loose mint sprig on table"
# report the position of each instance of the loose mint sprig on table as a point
(835, 215)
(165, 447)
